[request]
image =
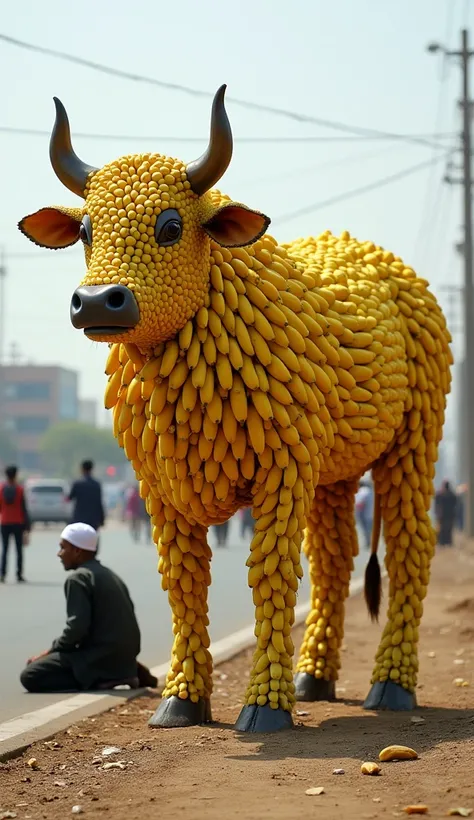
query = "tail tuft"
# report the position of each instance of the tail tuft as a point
(373, 587)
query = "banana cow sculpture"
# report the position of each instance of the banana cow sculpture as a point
(247, 373)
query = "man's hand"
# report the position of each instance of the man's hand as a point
(37, 657)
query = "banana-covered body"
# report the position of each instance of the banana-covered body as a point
(271, 376)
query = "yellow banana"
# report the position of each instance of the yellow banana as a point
(218, 302)
(193, 352)
(249, 374)
(148, 439)
(169, 359)
(130, 444)
(215, 324)
(158, 398)
(262, 325)
(243, 338)
(220, 446)
(245, 310)
(138, 424)
(112, 389)
(217, 281)
(262, 404)
(189, 394)
(128, 373)
(134, 355)
(209, 349)
(125, 418)
(235, 354)
(397, 753)
(278, 370)
(113, 360)
(178, 375)
(221, 486)
(164, 419)
(224, 371)
(230, 295)
(229, 421)
(287, 356)
(279, 391)
(238, 399)
(207, 390)
(255, 430)
(185, 336)
(199, 373)
(214, 407)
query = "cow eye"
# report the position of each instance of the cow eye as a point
(168, 228)
(85, 231)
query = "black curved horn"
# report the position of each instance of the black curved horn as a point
(66, 164)
(204, 172)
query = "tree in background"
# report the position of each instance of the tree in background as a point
(68, 443)
(8, 448)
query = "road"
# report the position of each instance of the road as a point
(31, 615)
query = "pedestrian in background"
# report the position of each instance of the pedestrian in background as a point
(446, 504)
(136, 514)
(246, 522)
(86, 493)
(101, 640)
(15, 522)
(221, 533)
(364, 504)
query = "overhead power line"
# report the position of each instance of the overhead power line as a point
(37, 132)
(364, 189)
(293, 115)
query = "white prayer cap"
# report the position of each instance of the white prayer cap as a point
(80, 535)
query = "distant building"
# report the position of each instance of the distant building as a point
(88, 412)
(32, 398)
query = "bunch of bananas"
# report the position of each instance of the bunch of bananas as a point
(303, 365)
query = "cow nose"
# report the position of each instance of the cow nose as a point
(104, 309)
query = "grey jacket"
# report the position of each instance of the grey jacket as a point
(101, 636)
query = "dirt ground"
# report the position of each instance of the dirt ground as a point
(213, 772)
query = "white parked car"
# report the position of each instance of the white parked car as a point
(46, 499)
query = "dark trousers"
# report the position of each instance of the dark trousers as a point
(52, 673)
(15, 530)
(221, 532)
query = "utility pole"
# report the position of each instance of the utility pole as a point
(464, 55)
(3, 273)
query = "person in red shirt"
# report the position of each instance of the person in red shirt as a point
(14, 520)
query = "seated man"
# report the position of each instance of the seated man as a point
(101, 640)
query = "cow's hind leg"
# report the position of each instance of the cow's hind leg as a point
(184, 564)
(330, 545)
(274, 574)
(403, 479)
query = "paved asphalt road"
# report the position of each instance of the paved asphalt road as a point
(31, 615)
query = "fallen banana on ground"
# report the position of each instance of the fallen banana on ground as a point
(397, 753)
(370, 768)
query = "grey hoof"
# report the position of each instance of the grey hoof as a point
(176, 713)
(390, 695)
(309, 688)
(263, 719)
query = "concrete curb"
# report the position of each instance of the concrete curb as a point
(20, 732)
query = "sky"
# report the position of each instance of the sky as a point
(363, 64)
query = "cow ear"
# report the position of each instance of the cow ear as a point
(52, 227)
(234, 226)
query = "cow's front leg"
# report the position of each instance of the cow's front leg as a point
(184, 564)
(274, 575)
